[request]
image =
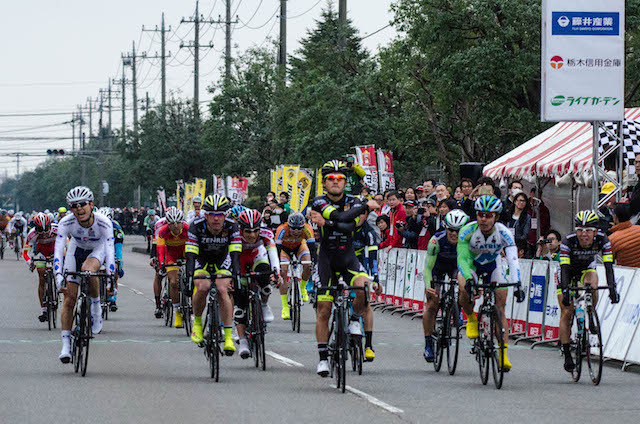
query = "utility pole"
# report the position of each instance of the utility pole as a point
(227, 47)
(90, 119)
(342, 20)
(132, 62)
(123, 83)
(163, 64)
(147, 103)
(109, 105)
(282, 60)
(73, 132)
(196, 21)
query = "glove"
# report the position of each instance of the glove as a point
(519, 293)
(613, 295)
(59, 281)
(375, 278)
(566, 297)
(469, 287)
(120, 272)
(32, 266)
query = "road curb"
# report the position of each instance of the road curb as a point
(142, 250)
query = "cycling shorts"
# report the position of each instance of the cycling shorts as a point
(205, 269)
(494, 270)
(250, 259)
(75, 258)
(300, 253)
(40, 260)
(172, 256)
(332, 266)
(577, 275)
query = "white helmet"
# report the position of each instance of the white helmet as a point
(79, 194)
(174, 215)
(455, 219)
(106, 211)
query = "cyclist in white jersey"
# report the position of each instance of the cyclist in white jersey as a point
(92, 243)
(479, 249)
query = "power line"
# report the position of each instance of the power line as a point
(376, 31)
(252, 16)
(264, 24)
(34, 128)
(305, 12)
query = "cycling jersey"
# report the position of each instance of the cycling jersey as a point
(477, 253)
(442, 258)
(575, 259)
(150, 221)
(118, 239)
(19, 225)
(265, 240)
(43, 243)
(192, 216)
(220, 251)
(171, 246)
(154, 239)
(302, 244)
(336, 255)
(96, 241)
(366, 248)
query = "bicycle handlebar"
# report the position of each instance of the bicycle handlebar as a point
(259, 274)
(496, 286)
(588, 288)
(86, 274)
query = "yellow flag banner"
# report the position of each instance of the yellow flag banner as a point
(188, 197)
(274, 181)
(290, 173)
(279, 180)
(201, 188)
(319, 188)
(305, 179)
(178, 205)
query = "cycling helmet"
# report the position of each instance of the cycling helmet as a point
(216, 203)
(250, 219)
(196, 199)
(488, 203)
(151, 212)
(334, 166)
(235, 211)
(3, 212)
(62, 209)
(106, 211)
(174, 215)
(42, 222)
(455, 219)
(296, 221)
(50, 215)
(18, 215)
(79, 194)
(586, 218)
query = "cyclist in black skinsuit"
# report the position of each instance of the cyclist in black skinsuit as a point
(578, 265)
(336, 213)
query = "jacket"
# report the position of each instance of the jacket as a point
(625, 243)
(395, 239)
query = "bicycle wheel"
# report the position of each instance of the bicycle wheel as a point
(579, 350)
(103, 298)
(337, 359)
(439, 337)
(212, 346)
(593, 346)
(343, 350)
(76, 347)
(453, 336)
(185, 308)
(259, 325)
(48, 300)
(353, 352)
(360, 356)
(497, 347)
(86, 336)
(482, 350)
(167, 308)
(295, 318)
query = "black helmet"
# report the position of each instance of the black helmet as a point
(334, 166)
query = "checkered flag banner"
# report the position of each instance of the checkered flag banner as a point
(631, 132)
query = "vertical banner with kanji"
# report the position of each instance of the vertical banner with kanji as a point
(319, 188)
(279, 180)
(201, 188)
(385, 170)
(305, 179)
(179, 187)
(290, 173)
(237, 189)
(274, 181)
(188, 197)
(218, 186)
(162, 201)
(366, 158)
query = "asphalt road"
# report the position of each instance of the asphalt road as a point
(140, 371)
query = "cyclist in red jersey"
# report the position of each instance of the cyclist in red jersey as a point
(38, 248)
(171, 239)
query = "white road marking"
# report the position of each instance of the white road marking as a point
(288, 362)
(375, 401)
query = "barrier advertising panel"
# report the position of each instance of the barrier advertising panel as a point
(401, 277)
(418, 288)
(410, 281)
(537, 291)
(519, 314)
(618, 341)
(391, 276)
(608, 313)
(552, 309)
(382, 276)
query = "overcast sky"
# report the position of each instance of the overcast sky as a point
(57, 54)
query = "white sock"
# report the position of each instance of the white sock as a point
(66, 334)
(95, 305)
(43, 309)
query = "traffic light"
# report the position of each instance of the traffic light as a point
(55, 152)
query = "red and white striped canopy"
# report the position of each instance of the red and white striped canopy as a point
(565, 148)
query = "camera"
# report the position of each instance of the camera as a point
(421, 211)
(400, 224)
(545, 241)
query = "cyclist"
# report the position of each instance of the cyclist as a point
(295, 237)
(366, 246)
(149, 224)
(336, 214)
(118, 240)
(37, 249)
(157, 278)
(171, 241)
(62, 212)
(479, 249)
(4, 225)
(197, 211)
(259, 254)
(18, 228)
(214, 246)
(441, 261)
(91, 244)
(578, 265)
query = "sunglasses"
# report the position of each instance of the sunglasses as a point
(251, 231)
(335, 177)
(453, 231)
(484, 214)
(586, 229)
(217, 214)
(79, 205)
